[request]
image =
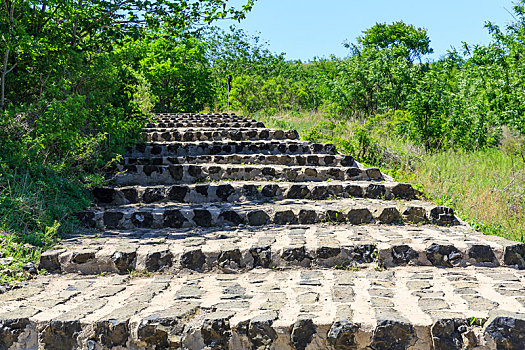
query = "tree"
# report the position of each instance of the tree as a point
(42, 39)
(411, 41)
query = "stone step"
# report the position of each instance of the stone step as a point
(199, 115)
(223, 119)
(249, 191)
(203, 120)
(179, 174)
(191, 115)
(205, 124)
(225, 134)
(158, 149)
(402, 308)
(248, 159)
(355, 211)
(280, 247)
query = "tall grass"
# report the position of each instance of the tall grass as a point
(487, 188)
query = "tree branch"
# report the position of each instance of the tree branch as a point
(106, 15)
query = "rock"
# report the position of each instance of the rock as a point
(216, 332)
(152, 195)
(258, 218)
(347, 161)
(10, 331)
(375, 191)
(374, 174)
(231, 217)
(355, 191)
(124, 261)
(342, 335)
(261, 333)
(178, 193)
(447, 334)
(131, 194)
(195, 171)
(515, 255)
(224, 191)
(443, 255)
(142, 219)
(250, 190)
(193, 260)
(292, 134)
(302, 333)
(353, 172)
(335, 216)
(82, 257)
(154, 336)
(176, 172)
(294, 254)
(284, 217)
(270, 191)
(365, 253)
(202, 190)
(298, 192)
(174, 219)
(443, 216)
(157, 260)
(60, 335)
(150, 169)
(112, 333)
(327, 252)
(202, 218)
(404, 191)
(307, 216)
(49, 261)
(320, 193)
(30, 268)
(389, 215)
(403, 254)
(261, 256)
(311, 172)
(112, 219)
(415, 215)
(507, 330)
(230, 260)
(358, 216)
(393, 335)
(481, 253)
(330, 148)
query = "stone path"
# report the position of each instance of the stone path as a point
(220, 234)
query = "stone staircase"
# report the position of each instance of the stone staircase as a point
(217, 233)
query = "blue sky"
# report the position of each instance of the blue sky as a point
(305, 29)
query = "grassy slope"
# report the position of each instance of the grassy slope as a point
(486, 188)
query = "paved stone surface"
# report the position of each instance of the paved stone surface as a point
(401, 308)
(217, 233)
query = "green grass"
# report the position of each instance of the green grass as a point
(36, 210)
(21, 254)
(486, 188)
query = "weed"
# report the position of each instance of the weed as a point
(139, 274)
